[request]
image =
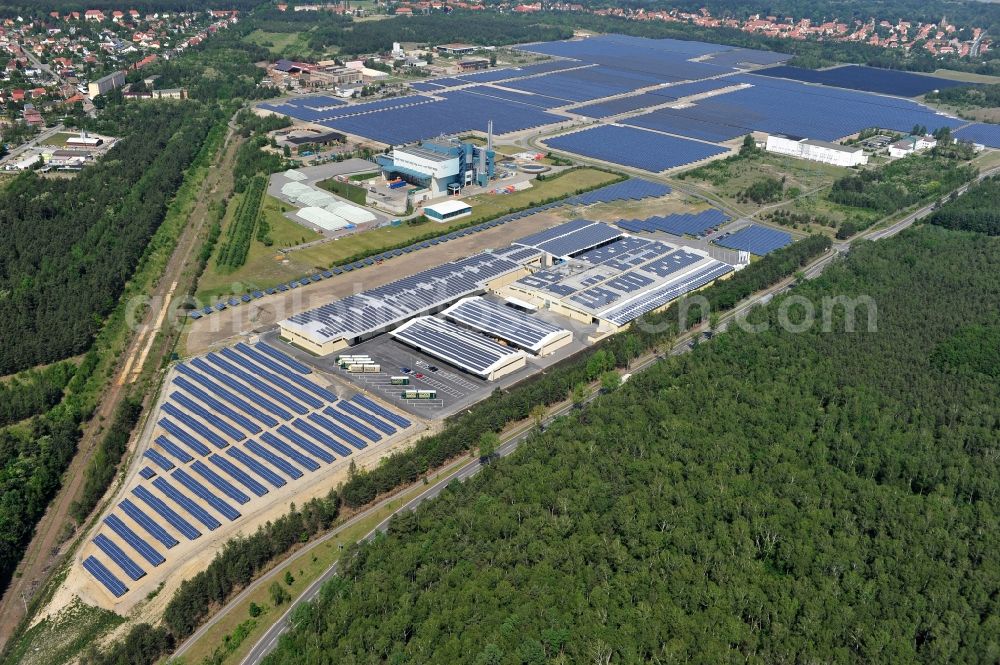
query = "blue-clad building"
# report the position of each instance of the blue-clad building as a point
(437, 164)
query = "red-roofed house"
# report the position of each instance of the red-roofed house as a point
(93, 15)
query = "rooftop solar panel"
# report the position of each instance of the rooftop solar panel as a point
(517, 328)
(456, 346)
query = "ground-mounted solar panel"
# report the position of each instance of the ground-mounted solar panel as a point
(368, 418)
(867, 79)
(158, 459)
(271, 378)
(285, 371)
(334, 428)
(275, 460)
(321, 437)
(756, 239)
(627, 146)
(305, 444)
(146, 472)
(144, 549)
(289, 452)
(241, 405)
(107, 579)
(978, 132)
(251, 463)
(352, 424)
(186, 503)
(173, 449)
(185, 437)
(219, 482)
(148, 524)
(194, 424)
(163, 510)
(242, 390)
(381, 411)
(118, 556)
(207, 416)
(206, 495)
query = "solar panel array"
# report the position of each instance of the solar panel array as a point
(581, 240)
(977, 132)
(517, 328)
(637, 148)
(868, 79)
(377, 309)
(623, 278)
(696, 224)
(633, 189)
(678, 121)
(659, 296)
(454, 345)
(788, 107)
(756, 239)
(224, 399)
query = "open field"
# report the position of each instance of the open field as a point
(728, 179)
(262, 266)
(59, 139)
(278, 42)
(969, 77)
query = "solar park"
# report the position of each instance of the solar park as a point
(234, 430)
(674, 102)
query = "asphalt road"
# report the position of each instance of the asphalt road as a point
(267, 641)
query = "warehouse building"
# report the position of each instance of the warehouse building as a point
(508, 326)
(815, 150)
(447, 210)
(434, 165)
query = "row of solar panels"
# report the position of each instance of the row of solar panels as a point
(219, 400)
(638, 148)
(756, 239)
(260, 465)
(697, 224)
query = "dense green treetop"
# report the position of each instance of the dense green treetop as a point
(769, 498)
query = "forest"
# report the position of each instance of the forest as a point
(969, 96)
(976, 210)
(71, 244)
(904, 182)
(819, 496)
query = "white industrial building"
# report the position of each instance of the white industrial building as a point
(910, 145)
(816, 150)
(321, 208)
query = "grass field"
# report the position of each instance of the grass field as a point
(726, 179)
(278, 42)
(60, 138)
(262, 266)
(968, 77)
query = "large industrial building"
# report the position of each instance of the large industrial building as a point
(442, 166)
(815, 150)
(590, 272)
